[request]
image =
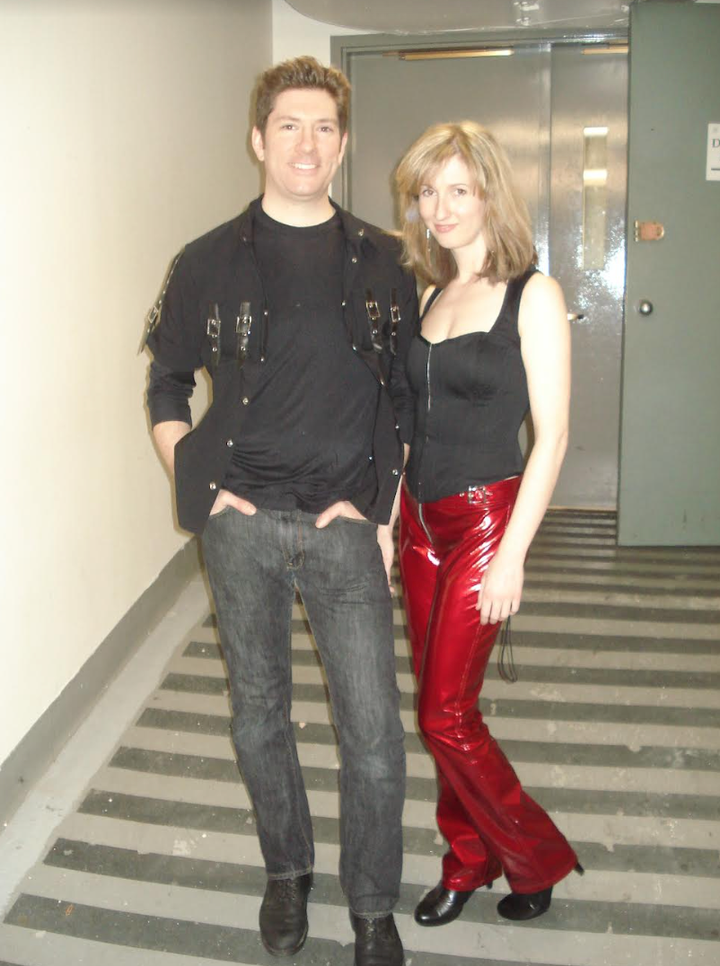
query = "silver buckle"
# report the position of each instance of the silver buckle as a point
(472, 490)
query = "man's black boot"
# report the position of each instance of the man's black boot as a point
(283, 914)
(377, 942)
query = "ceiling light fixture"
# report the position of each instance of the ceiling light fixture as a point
(451, 54)
(606, 49)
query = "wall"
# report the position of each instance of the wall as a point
(124, 129)
(294, 35)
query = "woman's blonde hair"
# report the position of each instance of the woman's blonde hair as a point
(507, 222)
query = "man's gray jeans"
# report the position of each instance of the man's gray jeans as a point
(255, 563)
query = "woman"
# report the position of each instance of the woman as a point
(494, 341)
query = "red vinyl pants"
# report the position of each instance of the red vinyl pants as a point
(490, 823)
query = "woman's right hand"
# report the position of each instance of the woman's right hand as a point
(500, 590)
(226, 498)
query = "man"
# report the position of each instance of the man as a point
(301, 315)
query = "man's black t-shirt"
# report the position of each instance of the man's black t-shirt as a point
(306, 441)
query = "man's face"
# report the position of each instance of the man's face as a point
(302, 147)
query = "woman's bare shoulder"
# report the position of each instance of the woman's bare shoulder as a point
(540, 286)
(541, 292)
(542, 304)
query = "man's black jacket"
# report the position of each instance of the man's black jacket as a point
(215, 275)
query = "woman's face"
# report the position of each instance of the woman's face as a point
(451, 207)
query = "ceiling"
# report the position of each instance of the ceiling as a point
(429, 16)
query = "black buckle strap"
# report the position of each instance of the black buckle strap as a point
(395, 319)
(242, 328)
(390, 329)
(373, 314)
(153, 316)
(214, 325)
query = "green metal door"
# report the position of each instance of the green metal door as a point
(669, 491)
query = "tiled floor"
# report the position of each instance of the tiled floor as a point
(614, 726)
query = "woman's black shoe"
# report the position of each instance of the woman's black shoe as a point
(441, 905)
(521, 908)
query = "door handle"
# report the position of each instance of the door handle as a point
(645, 307)
(575, 316)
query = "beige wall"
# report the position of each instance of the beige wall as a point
(294, 34)
(123, 134)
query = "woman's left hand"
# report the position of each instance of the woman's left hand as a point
(500, 591)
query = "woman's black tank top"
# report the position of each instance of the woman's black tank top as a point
(471, 397)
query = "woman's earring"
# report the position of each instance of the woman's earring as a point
(427, 238)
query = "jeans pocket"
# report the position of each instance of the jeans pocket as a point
(221, 513)
(367, 523)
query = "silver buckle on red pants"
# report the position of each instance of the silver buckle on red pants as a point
(473, 492)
